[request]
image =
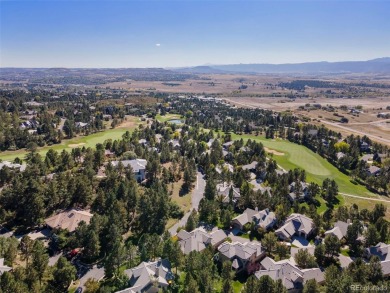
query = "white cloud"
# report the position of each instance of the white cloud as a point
(158, 45)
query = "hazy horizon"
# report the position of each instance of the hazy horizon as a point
(162, 34)
(189, 66)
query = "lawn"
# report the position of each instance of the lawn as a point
(237, 286)
(317, 168)
(184, 201)
(80, 141)
(167, 117)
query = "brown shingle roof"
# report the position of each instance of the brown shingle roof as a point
(69, 220)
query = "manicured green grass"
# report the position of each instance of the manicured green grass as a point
(237, 286)
(68, 144)
(167, 117)
(317, 168)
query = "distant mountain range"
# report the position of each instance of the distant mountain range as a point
(380, 65)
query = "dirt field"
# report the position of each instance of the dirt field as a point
(365, 123)
(263, 91)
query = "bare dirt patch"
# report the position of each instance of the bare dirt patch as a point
(274, 152)
(130, 122)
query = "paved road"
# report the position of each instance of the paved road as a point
(197, 195)
(372, 122)
(387, 141)
(61, 124)
(366, 198)
(94, 273)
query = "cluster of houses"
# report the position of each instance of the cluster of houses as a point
(29, 124)
(245, 256)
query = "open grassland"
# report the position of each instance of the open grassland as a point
(80, 141)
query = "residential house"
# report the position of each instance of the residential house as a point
(293, 278)
(81, 124)
(149, 277)
(381, 250)
(210, 142)
(199, 239)
(158, 137)
(364, 147)
(226, 145)
(138, 166)
(175, 143)
(373, 171)
(298, 192)
(68, 220)
(3, 267)
(339, 230)
(264, 219)
(295, 224)
(368, 158)
(257, 185)
(12, 166)
(250, 167)
(143, 141)
(228, 166)
(244, 256)
(223, 190)
(313, 132)
(227, 155)
(340, 155)
(109, 154)
(294, 250)
(29, 124)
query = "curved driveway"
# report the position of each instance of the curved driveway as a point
(196, 196)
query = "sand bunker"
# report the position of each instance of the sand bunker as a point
(76, 145)
(276, 153)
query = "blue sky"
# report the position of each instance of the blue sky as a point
(184, 33)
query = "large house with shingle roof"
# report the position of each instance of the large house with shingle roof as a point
(149, 277)
(339, 230)
(295, 224)
(298, 193)
(242, 255)
(199, 239)
(293, 278)
(264, 219)
(250, 167)
(223, 189)
(381, 250)
(68, 220)
(138, 166)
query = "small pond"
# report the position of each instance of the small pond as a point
(175, 121)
